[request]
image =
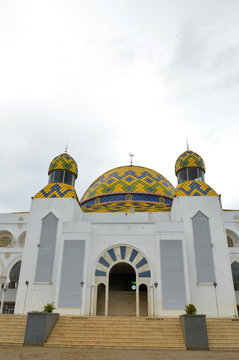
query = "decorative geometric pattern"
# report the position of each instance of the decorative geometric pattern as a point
(189, 159)
(119, 206)
(63, 162)
(145, 186)
(119, 254)
(194, 188)
(119, 203)
(57, 190)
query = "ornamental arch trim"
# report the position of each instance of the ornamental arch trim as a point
(122, 253)
(21, 239)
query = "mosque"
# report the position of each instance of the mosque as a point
(134, 245)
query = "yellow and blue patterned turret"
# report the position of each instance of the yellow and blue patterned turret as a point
(190, 169)
(62, 174)
(189, 159)
(63, 162)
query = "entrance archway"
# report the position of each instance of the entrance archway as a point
(119, 268)
(122, 294)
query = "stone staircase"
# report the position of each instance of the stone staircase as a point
(12, 329)
(223, 333)
(121, 332)
(117, 332)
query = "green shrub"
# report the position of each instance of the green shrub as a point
(49, 307)
(190, 309)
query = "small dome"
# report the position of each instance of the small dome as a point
(129, 187)
(63, 162)
(194, 188)
(189, 159)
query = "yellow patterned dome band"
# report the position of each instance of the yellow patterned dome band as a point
(189, 159)
(127, 206)
(63, 162)
(194, 188)
(57, 190)
(119, 188)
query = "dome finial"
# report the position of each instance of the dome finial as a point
(66, 147)
(187, 144)
(131, 160)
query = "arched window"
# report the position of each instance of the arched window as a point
(128, 197)
(14, 275)
(229, 241)
(97, 200)
(232, 238)
(5, 239)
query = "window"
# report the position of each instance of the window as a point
(190, 173)
(62, 176)
(128, 197)
(69, 178)
(229, 241)
(59, 176)
(5, 241)
(8, 307)
(232, 238)
(97, 200)
(182, 176)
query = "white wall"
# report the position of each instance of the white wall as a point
(36, 295)
(204, 296)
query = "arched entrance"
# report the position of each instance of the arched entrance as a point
(123, 282)
(122, 290)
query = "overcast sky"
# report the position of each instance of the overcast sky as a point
(111, 77)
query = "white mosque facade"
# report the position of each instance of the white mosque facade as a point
(133, 245)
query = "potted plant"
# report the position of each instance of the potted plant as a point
(49, 307)
(190, 309)
(39, 325)
(194, 329)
